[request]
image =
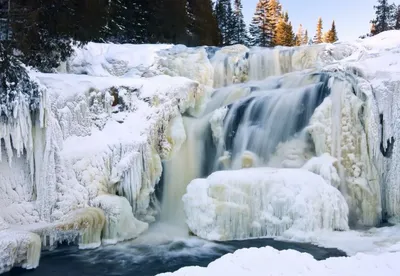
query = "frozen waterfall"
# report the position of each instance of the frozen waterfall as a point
(246, 142)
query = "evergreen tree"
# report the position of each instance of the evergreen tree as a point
(15, 86)
(43, 30)
(136, 21)
(289, 34)
(306, 39)
(258, 36)
(299, 36)
(280, 33)
(331, 35)
(202, 24)
(224, 14)
(274, 14)
(318, 38)
(115, 28)
(385, 17)
(397, 23)
(240, 32)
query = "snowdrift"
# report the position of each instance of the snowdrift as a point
(268, 261)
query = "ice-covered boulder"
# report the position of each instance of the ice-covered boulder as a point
(120, 224)
(258, 202)
(19, 248)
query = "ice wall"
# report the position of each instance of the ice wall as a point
(340, 127)
(96, 157)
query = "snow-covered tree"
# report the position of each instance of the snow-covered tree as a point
(224, 14)
(240, 32)
(15, 86)
(300, 36)
(397, 23)
(258, 36)
(385, 17)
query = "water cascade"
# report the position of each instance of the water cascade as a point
(266, 112)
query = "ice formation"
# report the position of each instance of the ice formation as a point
(85, 165)
(19, 248)
(258, 202)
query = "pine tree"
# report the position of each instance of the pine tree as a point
(169, 21)
(306, 39)
(385, 17)
(136, 21)
(224, 14)
(257, 34)
(318, 38)
(202, 24)
(15, 86)
(331, 35)
(289, 34)
(299, 36)
(240, 32)
(280, 33)
(274, 13)
(397, 24)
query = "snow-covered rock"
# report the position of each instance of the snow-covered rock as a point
(259, 202)
(269, 261)
(19, 248)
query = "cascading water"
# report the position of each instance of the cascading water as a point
(255, 125)
(255, 118)
(265, 114)
(185, 166)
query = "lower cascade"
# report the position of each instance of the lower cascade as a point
(223, 144)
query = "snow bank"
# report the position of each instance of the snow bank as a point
(261, 202)
(100, 59)
(268, 261)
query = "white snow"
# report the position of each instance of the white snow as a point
(100, 59)
(269, 261)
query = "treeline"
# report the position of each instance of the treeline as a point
(271, 27)
(44, 31)
(387, 17)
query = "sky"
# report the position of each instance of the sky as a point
(351, 16)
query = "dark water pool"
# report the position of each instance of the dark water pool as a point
(146, 260)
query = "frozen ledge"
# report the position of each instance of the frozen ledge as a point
(19, 248)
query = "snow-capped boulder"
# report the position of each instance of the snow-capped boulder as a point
(259, 202)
